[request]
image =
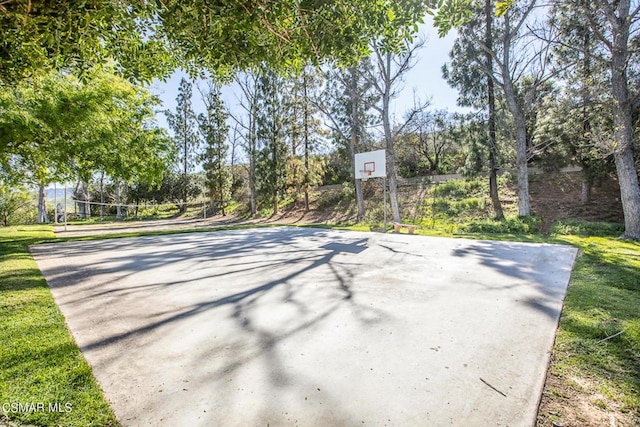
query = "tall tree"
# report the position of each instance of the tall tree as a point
(618, 33)
(346, 104)
(183, 123)
(214, 130)
(388, 72)
(306, 129)
(356, 129)
(491, 113)
(271, 136)
(516, 52)
(477, 88)
(42, 133)
(248, 84)
(132, 147)
(575, 119)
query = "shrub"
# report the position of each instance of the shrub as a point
(517, 225)
(469, 204)
(375, 215)
(348, 190)
(586, 228)
(332, 198)
(458, 189)
(466, 207)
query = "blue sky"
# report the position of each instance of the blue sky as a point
(424, 80)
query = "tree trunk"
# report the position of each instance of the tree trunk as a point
(43, 216)
(55, 203)
(185, 165)
(294, 163)
(275, 202)
(522, 173)
(585, 90)
(585, 196)
(252, 160)
(388, 136)
(357, 182)
(353, 143)
(221, 192)
(118, 200)
(493, 149)
(623, 129)
(524, 203)
(307, 148)
(391, 163)
(629, 192)
(82, 196)
(252, 183)
(276, 164)
(393, 188)
(307, 173)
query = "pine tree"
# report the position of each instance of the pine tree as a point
(248, 84)
(516, 51)
(214, 131)
(271, 167)
(470, 71)
(346, 103)
(305, 131)
(183, 123)
(491, 113)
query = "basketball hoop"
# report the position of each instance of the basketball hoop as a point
(368, 168)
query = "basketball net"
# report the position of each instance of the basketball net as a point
(365, 174)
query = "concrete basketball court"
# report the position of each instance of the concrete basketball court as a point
(312, 327)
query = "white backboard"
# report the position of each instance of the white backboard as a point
(372, 161)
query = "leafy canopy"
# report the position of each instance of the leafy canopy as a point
(149, 38)
(43, 35)
(449, 14)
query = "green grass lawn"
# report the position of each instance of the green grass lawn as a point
(596, 357)
(41, 367)
(595, 361)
